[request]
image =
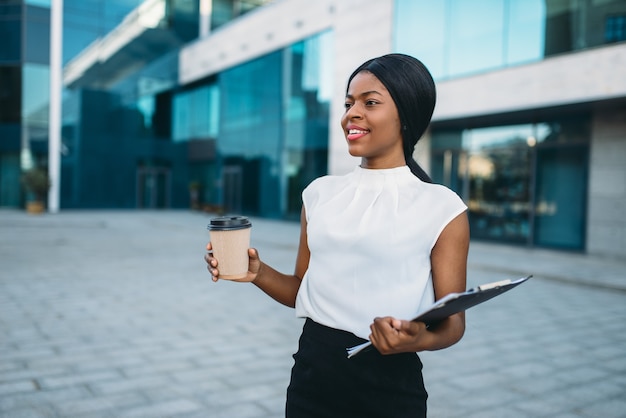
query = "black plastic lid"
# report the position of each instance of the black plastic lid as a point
(227, 223)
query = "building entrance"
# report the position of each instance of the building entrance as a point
(153, 188)
(233, 188)
(560, 203)
(524, 184)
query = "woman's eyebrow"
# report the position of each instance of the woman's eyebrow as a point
(365, 93)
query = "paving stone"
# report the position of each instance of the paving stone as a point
(161, 409)
(113, 314)
(107, 405)
(8, 388)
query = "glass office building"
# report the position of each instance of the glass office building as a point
(233, 105)
(258, 132)
(24, 73)
(247, 139)
(524, 175)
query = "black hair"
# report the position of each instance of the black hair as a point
(412, 88)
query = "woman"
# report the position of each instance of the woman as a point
(377, 246)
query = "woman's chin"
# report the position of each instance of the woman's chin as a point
(354, 150)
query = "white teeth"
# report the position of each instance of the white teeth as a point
(356, 131)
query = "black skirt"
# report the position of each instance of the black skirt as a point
(325, 383)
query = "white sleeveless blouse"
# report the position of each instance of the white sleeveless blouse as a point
(370, 234)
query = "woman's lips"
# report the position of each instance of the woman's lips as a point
(354, 134)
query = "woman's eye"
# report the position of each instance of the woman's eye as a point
(371, 102)
(347, 105)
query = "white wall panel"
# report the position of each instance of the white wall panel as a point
(264, 30)
(572, 78)
(606, 225)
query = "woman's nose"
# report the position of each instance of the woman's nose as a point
(353, 112)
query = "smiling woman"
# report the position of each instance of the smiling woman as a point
(377, 246)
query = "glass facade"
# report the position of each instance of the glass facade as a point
(116, 129)
(247, 139)
(263, 130)
(24, 93)
(523, 184)
(251, 137)
(224, 11)
(11, 22)
(457, 37)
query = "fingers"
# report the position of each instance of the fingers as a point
(212, 261)
(383, 333)
(390, 335)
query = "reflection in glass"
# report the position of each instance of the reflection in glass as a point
(262, 128)
(475, 39)
(196, 114)
(523, 184)
(10, 33)
(499, 169)
(223, 11)
(35, 102)
(561, 197)
(458, 37)
(524, 34)
(37, 34)
(420, 30)
(10, 94)
(43, 3)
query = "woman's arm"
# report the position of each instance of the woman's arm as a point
(281, 287)
(449, 271)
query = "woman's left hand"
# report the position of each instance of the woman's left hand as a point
(391, 336)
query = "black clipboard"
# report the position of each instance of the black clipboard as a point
(458, 302)
(454, 303)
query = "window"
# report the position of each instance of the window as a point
(10, 94)
(10, 32)
(523, 184)
(615, 29)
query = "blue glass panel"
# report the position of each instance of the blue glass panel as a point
(420, 30)
(35, 99)
(306, 117)
(10, 33)
(561, 201)
(271, 138)
(10, 191)
(37, 45)
(522, 183)
(196, 114)
(86, 20)
(42, 3)
(251, 108)
(476, 40)
(525, 32)
(460, 37)
(10, 94)
(113, 12)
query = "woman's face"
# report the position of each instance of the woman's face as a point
(371, 123)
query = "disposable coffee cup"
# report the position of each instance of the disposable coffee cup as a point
(230, 239)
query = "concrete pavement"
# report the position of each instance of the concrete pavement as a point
(112, 314)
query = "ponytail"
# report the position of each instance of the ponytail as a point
(417, 170)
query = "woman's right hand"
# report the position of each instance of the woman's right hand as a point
(254, 264)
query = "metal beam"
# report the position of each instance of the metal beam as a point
(54, 123)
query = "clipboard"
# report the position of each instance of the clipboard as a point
(454, 303)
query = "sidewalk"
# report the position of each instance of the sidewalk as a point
(575, 268)
(112, 314)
